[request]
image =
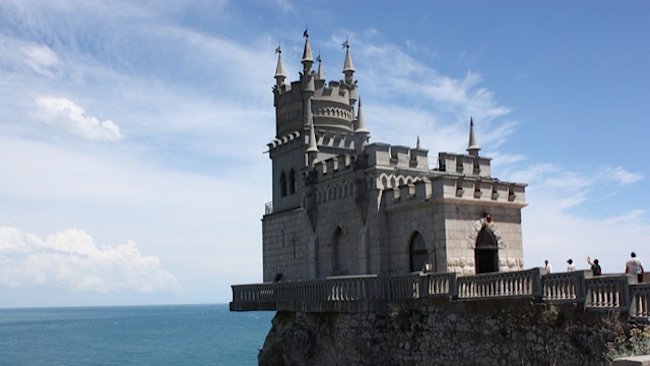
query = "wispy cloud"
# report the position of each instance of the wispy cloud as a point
(65, 113)
(620, 175)
(71, 259)
(40, 58)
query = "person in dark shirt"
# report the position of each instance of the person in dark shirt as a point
(595, 267)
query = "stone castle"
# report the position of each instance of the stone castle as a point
(345, 206)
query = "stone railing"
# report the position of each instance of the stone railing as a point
(500, 284)
(640, 300)
(609, 292)
(565, 286)
(377, 293)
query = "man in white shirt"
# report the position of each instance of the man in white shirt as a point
(547, 268)
(634, 267)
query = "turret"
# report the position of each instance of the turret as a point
(280, 74)
(307, 59)
(472, 146)
(361, 132)
(348, 67)
(320, 75)
(312, 147)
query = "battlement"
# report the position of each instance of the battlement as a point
(334, 165)
(464, 164)
(395, 156)
(330, 105)
(459, 189)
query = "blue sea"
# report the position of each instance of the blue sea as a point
(132, 335)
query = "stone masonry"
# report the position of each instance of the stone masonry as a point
(344, 206)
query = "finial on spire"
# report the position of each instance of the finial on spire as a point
(472, 146)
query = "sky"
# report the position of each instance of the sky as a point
(132, 133)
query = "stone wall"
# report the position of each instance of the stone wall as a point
(440, 332)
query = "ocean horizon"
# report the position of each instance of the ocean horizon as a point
(205, 334)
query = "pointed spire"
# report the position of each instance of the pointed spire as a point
(279, 69)
(348, 66)
(307, 59)
(312, 147)
(472, 146)
(320, 75)
(361, 121)
(417, 143)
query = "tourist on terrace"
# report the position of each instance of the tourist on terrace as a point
(570, 267)
(635, 267)
(595, 267)
(547, 268)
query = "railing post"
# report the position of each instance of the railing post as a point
(453, 285)
(537, 290)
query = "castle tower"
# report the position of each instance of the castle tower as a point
(344, 206)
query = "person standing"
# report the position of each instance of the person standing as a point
(569, 266)
(634, 267)
(547, 268)
(595, 267)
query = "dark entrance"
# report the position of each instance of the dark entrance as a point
(486, 252)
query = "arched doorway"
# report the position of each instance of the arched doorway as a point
(418, 254)
(486, 252)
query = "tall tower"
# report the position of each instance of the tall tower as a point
(314, 120)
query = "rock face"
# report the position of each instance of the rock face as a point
(493, 332)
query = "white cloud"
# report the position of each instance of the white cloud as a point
(71, 259)
(65, 113)
(40, 58)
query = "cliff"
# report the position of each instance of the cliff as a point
(442, 332)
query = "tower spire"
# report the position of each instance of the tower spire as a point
(348, 66)
(320, 75)
(312, 147)
(280, 74)
(361, 121)
(307, 59)
(472, 146)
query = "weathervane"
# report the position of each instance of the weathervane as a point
(346, 44)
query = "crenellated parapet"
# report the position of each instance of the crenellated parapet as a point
(337, 165)
(330, 106)
(464, 164)
(461, 190)
(395, 156)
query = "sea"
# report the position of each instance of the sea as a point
(132, 335)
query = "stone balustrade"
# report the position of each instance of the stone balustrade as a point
(565, 286)
(610, 292)
(376, 293)
(640, 300)
(500, 284)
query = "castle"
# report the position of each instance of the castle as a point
(345, 206)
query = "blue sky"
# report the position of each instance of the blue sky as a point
(132, 133)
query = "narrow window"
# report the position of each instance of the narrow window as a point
(283, 185)
(292, 182)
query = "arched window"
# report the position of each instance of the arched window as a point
(336, 251)
(417, 252)
(486, 252)
(292, 182)
(283, 184)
